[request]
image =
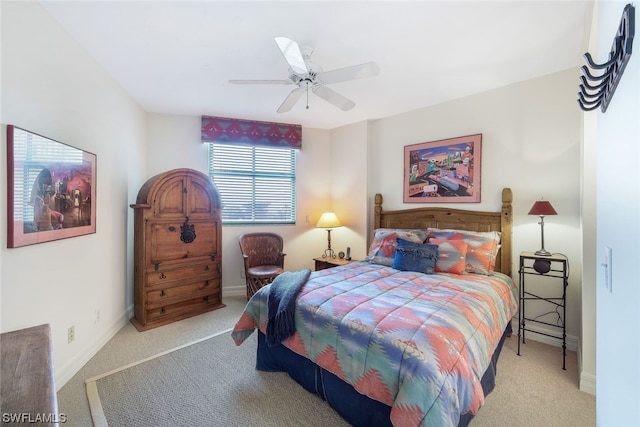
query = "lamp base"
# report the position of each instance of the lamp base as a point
(542, 266)
(329, 253)
(543, 251)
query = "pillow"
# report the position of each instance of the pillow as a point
(383, 247)
(411, 256)
(482, 247)
(451, 255)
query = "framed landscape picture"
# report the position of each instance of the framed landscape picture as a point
(444, 171)
(51, 189)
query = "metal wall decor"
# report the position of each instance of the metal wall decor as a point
(187, 232)
(601, 90)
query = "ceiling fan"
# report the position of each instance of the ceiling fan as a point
(307, 75)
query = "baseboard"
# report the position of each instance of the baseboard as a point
(234, 291)
(588, 383)
(572, 340)
(66, 372)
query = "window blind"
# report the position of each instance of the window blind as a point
(256, 183)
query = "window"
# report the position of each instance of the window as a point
(256, 183)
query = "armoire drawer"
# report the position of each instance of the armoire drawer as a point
(171, 294)
(165, 243)
(183, 308)
(167, 276)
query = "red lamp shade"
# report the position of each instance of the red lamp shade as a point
(542, 208)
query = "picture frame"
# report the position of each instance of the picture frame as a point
(443, 171)
(51, 189)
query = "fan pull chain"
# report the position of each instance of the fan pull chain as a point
(307, 95)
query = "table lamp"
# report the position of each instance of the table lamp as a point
(542, 208)
(328, 220)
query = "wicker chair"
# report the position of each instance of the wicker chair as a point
(263, 259)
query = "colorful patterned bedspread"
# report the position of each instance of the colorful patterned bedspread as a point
(418, 343)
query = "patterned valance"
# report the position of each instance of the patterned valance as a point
(220, 129)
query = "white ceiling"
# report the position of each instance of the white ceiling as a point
(176, 57)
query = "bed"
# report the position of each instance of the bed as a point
(413, 345)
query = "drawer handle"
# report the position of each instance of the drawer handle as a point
(163, 293)
(163, 311)
(206, 268)
(162, 276)
(205, 299)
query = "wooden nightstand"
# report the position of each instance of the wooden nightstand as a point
(322, 263)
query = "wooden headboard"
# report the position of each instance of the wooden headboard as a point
(454, 218)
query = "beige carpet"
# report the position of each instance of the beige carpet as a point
(532, 390)
(208, 383)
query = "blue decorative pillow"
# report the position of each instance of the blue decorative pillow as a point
(420, 257)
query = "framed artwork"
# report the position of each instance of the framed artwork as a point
(51, 189)
(445, 171)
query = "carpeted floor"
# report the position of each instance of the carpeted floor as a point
(531, 390)
(211, 382)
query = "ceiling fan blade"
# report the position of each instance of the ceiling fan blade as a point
(292, 54)
(290, 100)
(333, 97)
(361, 71)
(260, 82)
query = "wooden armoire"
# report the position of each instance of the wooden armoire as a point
(177, 248)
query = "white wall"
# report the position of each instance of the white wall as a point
(348, 174)
(530, 142)
(587, 350)
(618, 211)
(174, 142)
(52, 87)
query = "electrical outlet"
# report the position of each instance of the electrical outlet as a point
(71, 334)
(96, 316)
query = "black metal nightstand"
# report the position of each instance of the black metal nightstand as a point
(551, 266)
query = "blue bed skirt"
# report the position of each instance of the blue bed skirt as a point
(357, 409)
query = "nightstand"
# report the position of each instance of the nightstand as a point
(554, 266)
(322, 263)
